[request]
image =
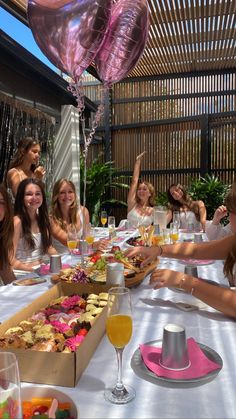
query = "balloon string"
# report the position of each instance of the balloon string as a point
(77, 90)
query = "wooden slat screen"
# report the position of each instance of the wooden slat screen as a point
(178, 121)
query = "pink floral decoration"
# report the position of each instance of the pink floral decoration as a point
(71, 301)
(74, 342)
(60, 327)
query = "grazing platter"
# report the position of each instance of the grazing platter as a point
(94, 270)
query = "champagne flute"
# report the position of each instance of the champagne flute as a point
(119, 331)
(10, 400)
(111, 226)
(174, 232)
(72, 239)
(176, 218)
(90, 236)
(103, 218)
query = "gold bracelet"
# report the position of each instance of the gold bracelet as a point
(182, 281)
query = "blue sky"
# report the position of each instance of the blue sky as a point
(23, 35)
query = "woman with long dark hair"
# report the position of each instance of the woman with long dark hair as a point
(6, 237)
(24, 164)
(192, 213)
(32, 231)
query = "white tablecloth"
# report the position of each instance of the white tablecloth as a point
(152, 310)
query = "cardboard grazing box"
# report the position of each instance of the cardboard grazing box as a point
(57, 368)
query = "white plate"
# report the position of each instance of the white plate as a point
(27, 393)
(142, 371)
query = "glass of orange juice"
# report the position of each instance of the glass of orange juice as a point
(174, 233)
(119, 332)
(103, 218)
(90, 236)
(72, 238)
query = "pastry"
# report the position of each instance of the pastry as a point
(90, 307)
(103, 296)
(14, 331)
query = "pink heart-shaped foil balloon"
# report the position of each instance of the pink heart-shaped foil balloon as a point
(125, 40)
(69, 32)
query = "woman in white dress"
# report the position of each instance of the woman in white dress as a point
(24, 164)
(192, 213)
(214, 229)
(32, 233)
(66, 213)
(141, 198)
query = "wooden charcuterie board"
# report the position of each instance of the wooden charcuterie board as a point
(139, 277)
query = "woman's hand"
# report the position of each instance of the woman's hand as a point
(148, 253)
(101, 244)
(140, 155)
(39, 172)
(166, 278)
(220, 213)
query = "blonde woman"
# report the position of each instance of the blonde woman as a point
(141, 198)
(66, 213)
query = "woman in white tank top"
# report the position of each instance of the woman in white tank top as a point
(141, 198)
(24, 165)
(65, 212)
(192, 213)
(32, 234)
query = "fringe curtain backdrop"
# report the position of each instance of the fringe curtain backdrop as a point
(17, 121)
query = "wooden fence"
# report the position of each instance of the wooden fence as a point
(187, 125)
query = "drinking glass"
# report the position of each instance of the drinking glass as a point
(119, 331)
(103, 218)
(10, 401)
(90, 236)
(176, 218)
(111, 226)
(174, 232)
(160, 217)
(166, 235)
(72, 238)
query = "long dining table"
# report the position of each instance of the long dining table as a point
(152, 310)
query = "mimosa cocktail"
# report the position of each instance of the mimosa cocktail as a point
(103, 218)
(119, 331)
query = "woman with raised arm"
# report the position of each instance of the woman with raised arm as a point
(32, 232)
(24, 164)
(66, 213)
(6, 237)
(191, 212)
(141, 198)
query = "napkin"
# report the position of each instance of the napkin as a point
(197, 261)
(200, 364)
(45, 269)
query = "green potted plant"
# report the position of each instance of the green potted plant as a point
(210, 190)
(100, 180)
